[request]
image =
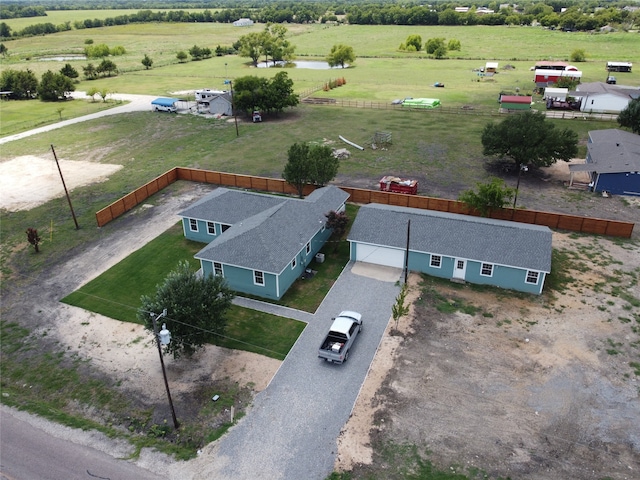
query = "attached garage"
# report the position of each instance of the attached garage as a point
(380, 255)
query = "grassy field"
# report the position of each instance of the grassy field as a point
(381, 72)
(443, 150)
(25, 115)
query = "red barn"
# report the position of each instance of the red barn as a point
(546, 78)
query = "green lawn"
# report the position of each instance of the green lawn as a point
(25, 115)
(116, 294)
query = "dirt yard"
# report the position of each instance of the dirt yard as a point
(526, 388)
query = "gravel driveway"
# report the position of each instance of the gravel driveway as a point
(291, 430)
(135, 103)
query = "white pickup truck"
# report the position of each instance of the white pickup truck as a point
(343, 332)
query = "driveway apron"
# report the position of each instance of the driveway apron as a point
(291, 430)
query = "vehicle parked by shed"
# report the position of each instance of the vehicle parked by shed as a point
(164, 104)
(390, 183)
(342, 334)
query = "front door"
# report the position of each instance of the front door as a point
(459, 268)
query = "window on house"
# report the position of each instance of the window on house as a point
(486, 270)
(258, 277)
(532, 277)
(211, 228)
(293, 264)
(436, 261)
(308, 248)
(193, 224)
(217, 269)
(225, 228)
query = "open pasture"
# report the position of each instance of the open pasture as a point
(381, 72)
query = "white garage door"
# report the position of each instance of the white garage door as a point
(391, 257)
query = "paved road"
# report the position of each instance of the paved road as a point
(136, 103)
(29, 452)
(291, 431)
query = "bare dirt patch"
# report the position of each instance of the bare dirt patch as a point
(29, 181)
(127, 352)
(527, 388)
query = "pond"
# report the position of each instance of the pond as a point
(62, 58)
(312, 65)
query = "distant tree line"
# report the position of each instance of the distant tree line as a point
(578, 15)
(8, 11)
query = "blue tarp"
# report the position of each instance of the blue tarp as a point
(165, 102)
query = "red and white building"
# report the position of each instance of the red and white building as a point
(546, 78)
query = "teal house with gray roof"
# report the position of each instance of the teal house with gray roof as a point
(479, 250)
(260, 243)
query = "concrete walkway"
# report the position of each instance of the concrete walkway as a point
(291, 430)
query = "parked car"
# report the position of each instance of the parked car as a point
(165, 108)
(611, 80)
(257, 116)
(343, 332)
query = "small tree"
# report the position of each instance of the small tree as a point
(196, 53)
(33, 238)
(337, 222)
(440, 52)
(69, 71)
(147, 62)
(630, 116)
(92, 93)
(196, 308)
(529, 139)
(90, 71)
(400, 309)
(309, 164)
(495, 194)
(340, 55)
(567, 82)
(416, 41)
(3, 50)
(297, 171)
(433, 44)
(103, 94)
(107, 67)
(182, 56)
(578, 55)
(53, 86)
(324, 165)
(454, 44)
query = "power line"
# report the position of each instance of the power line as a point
(185, 324)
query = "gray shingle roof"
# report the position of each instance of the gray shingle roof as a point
(601, 87)
(230, 206)
(611, 151)
(268, 240)
(452, 235)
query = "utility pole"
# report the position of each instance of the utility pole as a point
(164, 337)
(233, 107)
(73, 214)
(406, 253)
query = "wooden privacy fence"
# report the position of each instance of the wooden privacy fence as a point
(560, 221)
